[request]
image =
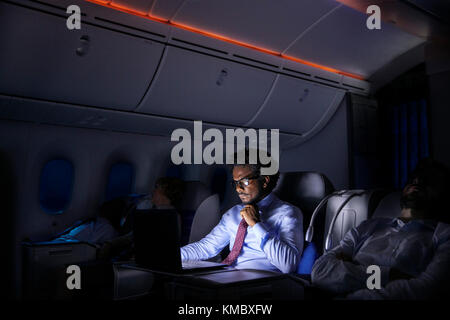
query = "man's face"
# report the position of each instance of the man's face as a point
(423, 192)
(254, 190)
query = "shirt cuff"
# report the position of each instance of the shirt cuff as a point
(183, 256)
(261, 232)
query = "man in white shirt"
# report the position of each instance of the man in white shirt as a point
(262, 233)
(114, 222)
(412, 251)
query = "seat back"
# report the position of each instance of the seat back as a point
(347, 211)
(206, 217)
(197, 200)
(305, 190)
(309, 256)
(45, 263)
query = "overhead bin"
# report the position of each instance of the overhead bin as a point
(41, 58)
(268, 24)
(197, 86)
(143, 7)
(343, 40)
(297, 106)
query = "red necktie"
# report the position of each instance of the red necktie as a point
(238, 242)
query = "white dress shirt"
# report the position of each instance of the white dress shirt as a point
(96, 231)
(419, 248)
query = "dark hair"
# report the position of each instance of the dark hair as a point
(256, 167)
(114, 210)
(172, 188)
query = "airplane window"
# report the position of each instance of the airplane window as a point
(56, 185)
(120, 180)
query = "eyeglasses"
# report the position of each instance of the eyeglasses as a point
(244, 182)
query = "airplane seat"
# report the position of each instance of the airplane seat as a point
(45, 264)
(389, 206)
(219, 182)
(347, 210)
(200, 211)
(305, 190)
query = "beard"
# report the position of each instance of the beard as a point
(251, 199)
(418, 201)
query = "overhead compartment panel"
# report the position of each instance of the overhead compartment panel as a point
(41, 58)
(343, 41)
(269, 24)
(196, 86)
(297, 106)
(140, 6)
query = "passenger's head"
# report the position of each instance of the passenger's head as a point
(114, 210)
(167, 191)
(248, 181)
(427, 190)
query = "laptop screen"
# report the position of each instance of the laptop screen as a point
(157, 239)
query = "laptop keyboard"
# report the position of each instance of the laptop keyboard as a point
(191, 264)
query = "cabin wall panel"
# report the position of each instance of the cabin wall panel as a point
(438, 69)
(326, 152)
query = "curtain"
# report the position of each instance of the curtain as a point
(409, 139)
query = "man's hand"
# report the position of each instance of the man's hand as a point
(251, 214)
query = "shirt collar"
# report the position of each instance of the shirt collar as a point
(425, 223)
(264, 202)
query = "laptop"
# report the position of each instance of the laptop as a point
(157, 243)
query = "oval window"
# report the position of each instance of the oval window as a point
(120, 181)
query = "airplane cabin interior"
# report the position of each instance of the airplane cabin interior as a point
(98, 97)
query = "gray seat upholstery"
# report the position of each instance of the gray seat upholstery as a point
(389, 206)
(206, 217)
(305, 190)
(359, 206)
(200, 211)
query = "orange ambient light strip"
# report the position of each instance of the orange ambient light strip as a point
(108, 4)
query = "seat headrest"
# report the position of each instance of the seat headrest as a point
(194, 194)
(303, 189)
(360, 207)
(389, 206)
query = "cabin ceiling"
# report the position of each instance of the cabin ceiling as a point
(151, 62)
(326, 32)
